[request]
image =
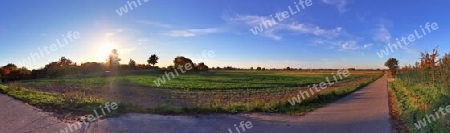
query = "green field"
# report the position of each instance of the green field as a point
(222, 80)
(206, 92)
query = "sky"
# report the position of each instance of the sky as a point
(322, 34)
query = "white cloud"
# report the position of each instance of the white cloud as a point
(382, 34)
(315, 30)
(248, 19)
(345, 44)
(348, 45)
(336, 38)
(341, 5)
(366, 46)
(192, 32)
(273, 31)
(409, 50)
(333, 38)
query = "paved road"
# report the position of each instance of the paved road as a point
(18, 117)
(365, 111)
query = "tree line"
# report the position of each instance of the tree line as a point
(64, 67)
(431, 69)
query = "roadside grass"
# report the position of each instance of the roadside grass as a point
(415, 101)
(66, 106)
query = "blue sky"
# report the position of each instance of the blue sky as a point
(327, 34)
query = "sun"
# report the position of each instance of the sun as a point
(104, 51)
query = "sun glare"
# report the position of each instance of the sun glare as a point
(104, 51)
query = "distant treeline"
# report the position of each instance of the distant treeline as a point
(65, 67)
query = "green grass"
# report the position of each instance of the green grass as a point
(274, 106)
(52, 102)
(211, 92)
(224, 80)
(415, 101)
(86, 81)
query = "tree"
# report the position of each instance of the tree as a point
(11, 67)
(182, 61)
(113, 60)
(202, 67)
(20, 74)
(392, 64)
(428, 60)
(170, 67)
(153, 59)
(2, 71)
(258, 68)
(2, 74)
(251, 68)
(63, 66)
(6, 70)
(63, 61)
(132, 64)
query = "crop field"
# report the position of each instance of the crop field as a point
(219, 80)
(216, 91)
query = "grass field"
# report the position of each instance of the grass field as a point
(415, 100)
(210, 92)
(223, 80)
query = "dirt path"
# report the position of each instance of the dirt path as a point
(363, 111)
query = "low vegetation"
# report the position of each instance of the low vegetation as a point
(422, 89)
(223, 91)
(72, 90)
(66, 106)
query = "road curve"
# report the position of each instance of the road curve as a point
(364, 111)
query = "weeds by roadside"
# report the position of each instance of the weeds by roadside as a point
(64, 106)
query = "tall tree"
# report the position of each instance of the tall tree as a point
(11, 66)
(392, 64)
(113, 60)
(202, 67)
(428, 60)
(64, 62)
(182, 61)
(132, 64)
(153, 59)
(8, 69)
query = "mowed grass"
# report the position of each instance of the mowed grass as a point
(223, 80)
